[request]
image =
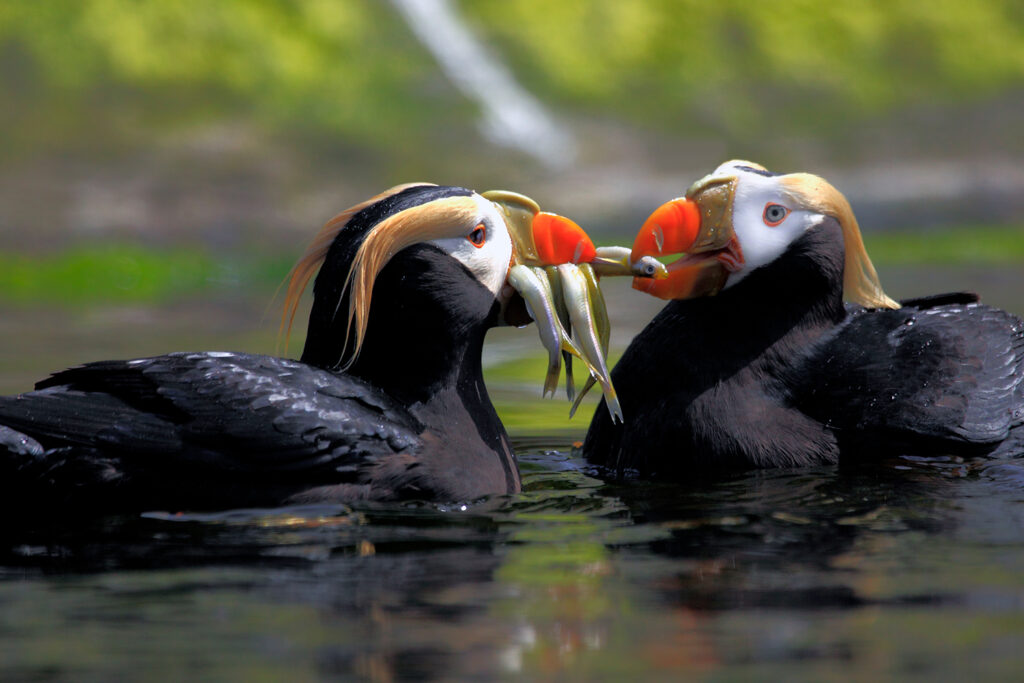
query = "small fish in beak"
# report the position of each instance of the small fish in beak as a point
(555, 283)
(618, 261)
(602, 325)
(540, 304)
(555, 269)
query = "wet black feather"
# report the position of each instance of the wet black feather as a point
(776, 371)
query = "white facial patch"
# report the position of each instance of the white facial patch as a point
(489, 263)
(762, 243)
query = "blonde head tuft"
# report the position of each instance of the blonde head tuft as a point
(437, 219)
(860, 280)
(303, 270)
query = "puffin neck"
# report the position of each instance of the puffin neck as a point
(802, 288)
(420, 360)
(425, 331)
(789, 301)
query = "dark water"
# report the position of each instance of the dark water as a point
(911, 568)
(908, 569)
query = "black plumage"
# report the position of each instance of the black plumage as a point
(778, 371)
(410, 418)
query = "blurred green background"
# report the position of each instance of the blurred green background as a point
(163, 162)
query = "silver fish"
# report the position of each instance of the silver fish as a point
(537, 294)
(616, 261)
(555, 281)
(602, 324)
(578, 300)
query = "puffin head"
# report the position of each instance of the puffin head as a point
(424, 249)
(742, 217)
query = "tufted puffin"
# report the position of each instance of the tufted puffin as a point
(387, 402)
(756, 361)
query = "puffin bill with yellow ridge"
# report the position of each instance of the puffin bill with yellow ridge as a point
(756, 361)
(387, 402)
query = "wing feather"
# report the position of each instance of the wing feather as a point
(938, 370)
(230, 412)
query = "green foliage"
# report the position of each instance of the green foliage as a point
(949, 246)
(128, 274)
(350, 70)
(338, 68)
(734, 62)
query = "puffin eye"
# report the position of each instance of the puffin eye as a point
(774, 214)
(478, 236)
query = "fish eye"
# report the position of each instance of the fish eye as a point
(774, 214)
(478, 236)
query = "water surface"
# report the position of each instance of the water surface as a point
(912, 568)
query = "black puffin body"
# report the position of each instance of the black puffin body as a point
(775, 370)
(407, 416)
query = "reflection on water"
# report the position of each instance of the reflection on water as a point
(911, 567)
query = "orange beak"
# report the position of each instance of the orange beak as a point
(560, 240)
(541, 238)
(709, 248)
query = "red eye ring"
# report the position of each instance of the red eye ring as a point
(774, 214)
(478, 236)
